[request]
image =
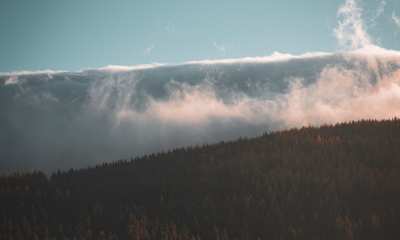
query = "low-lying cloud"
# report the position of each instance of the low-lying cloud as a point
(51, 120)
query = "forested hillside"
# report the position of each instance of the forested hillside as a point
(328, 182)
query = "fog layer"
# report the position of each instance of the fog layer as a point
(58, 120)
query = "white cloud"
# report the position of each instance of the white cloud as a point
(223, 47)
(48, 72)
(158, 22)
(18, 77)
(11, 80)
(381, 8)
(275, 57)
(378, 12)
(170, 27)
(147, 50)
(337, 95)
(116, 68)
(351, 31)
(396, 19)
(341, 95)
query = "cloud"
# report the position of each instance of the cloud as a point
(116, 68)
(158, 22)
(223, 47)
(275, 57)
(170, 27)
(378, 12)
(342, 95)
(47, 72)
(351, 31)
(396, 19)
(11, 80)
(147, 50)
(380, 8)
(52, 120)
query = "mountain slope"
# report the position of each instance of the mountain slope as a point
(328, 182)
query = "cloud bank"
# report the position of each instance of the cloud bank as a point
(51, 120)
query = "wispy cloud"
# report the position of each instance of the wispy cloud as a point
(158, 22)
(223, 47)
(351, 31)
(170, 27)
(11, 80)
(396, 19)
(147, 50)
(378, 12)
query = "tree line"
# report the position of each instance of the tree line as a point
(337, 181)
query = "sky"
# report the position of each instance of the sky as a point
(75, 35)
(87, 83)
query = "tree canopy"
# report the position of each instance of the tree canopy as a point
(330, 182)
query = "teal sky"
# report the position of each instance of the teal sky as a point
(74, 35)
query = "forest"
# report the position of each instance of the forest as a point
(337, 181)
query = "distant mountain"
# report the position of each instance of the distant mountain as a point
(327, 182)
